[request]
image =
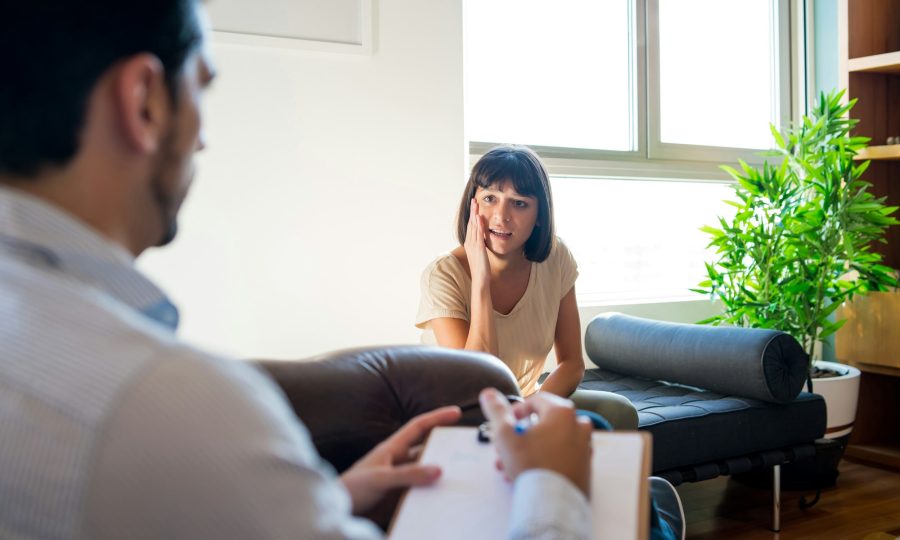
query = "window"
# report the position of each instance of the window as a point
(633, 104)
(550, 87)
(640, 242)
(719, 76)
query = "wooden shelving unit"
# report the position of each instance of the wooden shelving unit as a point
(885, 152)
(877, 63)
(870, 71)
(886, 63)
(876, 435)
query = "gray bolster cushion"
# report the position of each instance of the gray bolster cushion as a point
(768, 365)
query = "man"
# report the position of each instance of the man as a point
(110, 427)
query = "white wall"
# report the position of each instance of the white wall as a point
(329, 182)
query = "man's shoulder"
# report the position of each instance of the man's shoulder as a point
(76, 349)
(84, 375)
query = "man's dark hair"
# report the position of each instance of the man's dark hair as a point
(521, 166)
(53, 52)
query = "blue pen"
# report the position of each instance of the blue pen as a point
(524, 424)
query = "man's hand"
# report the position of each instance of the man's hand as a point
(559, 441)
(391, 464)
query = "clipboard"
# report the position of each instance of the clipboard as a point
(473, 501)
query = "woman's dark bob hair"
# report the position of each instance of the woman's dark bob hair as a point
(521, 166)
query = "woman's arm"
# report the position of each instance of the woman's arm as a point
(481, 334)
(459, 334)
(478, 333)
(567, 343)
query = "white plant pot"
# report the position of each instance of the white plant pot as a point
(840, 395)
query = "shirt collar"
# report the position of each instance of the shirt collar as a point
(48, 236)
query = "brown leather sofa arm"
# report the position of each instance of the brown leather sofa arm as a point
(353, 399)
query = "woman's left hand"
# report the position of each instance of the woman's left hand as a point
(476, 248)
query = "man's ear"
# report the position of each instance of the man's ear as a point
(143, 104)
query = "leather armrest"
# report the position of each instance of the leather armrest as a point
(351, 400)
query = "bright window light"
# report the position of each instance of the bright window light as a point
(637, 241)
(564, 75)
(717, 72)
(549, 73)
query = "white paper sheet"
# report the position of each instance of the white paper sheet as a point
(472, 501)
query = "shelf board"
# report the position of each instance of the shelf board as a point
(878, 63)
(881, 454)
(876, 369)
(885, 152)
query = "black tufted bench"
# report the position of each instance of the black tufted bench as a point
(717, 400)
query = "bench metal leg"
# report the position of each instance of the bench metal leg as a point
(776, 498)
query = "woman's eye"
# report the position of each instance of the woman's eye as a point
(488, 198)
(521, 204)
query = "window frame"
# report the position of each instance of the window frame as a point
(637, 104)
(651, 157)
(781, 48)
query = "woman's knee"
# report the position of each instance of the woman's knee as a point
(615, 408)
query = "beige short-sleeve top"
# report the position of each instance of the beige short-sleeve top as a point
(525, 335)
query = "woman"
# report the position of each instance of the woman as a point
(509, 287)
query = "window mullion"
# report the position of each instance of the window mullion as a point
(651, 21)
(639, 76)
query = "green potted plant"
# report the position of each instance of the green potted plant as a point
(800, 242)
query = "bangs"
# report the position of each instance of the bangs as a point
(510, 168)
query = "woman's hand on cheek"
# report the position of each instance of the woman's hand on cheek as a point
(476, 250)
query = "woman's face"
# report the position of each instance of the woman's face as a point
(509, 217)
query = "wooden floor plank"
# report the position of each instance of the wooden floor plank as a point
(865, 502)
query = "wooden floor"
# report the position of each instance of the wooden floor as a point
(864, 505)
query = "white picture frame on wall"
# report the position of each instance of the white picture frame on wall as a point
(331, 26)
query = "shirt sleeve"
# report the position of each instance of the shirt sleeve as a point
(546, 506)
(568, 268)
(208, 448)
(442, 294)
